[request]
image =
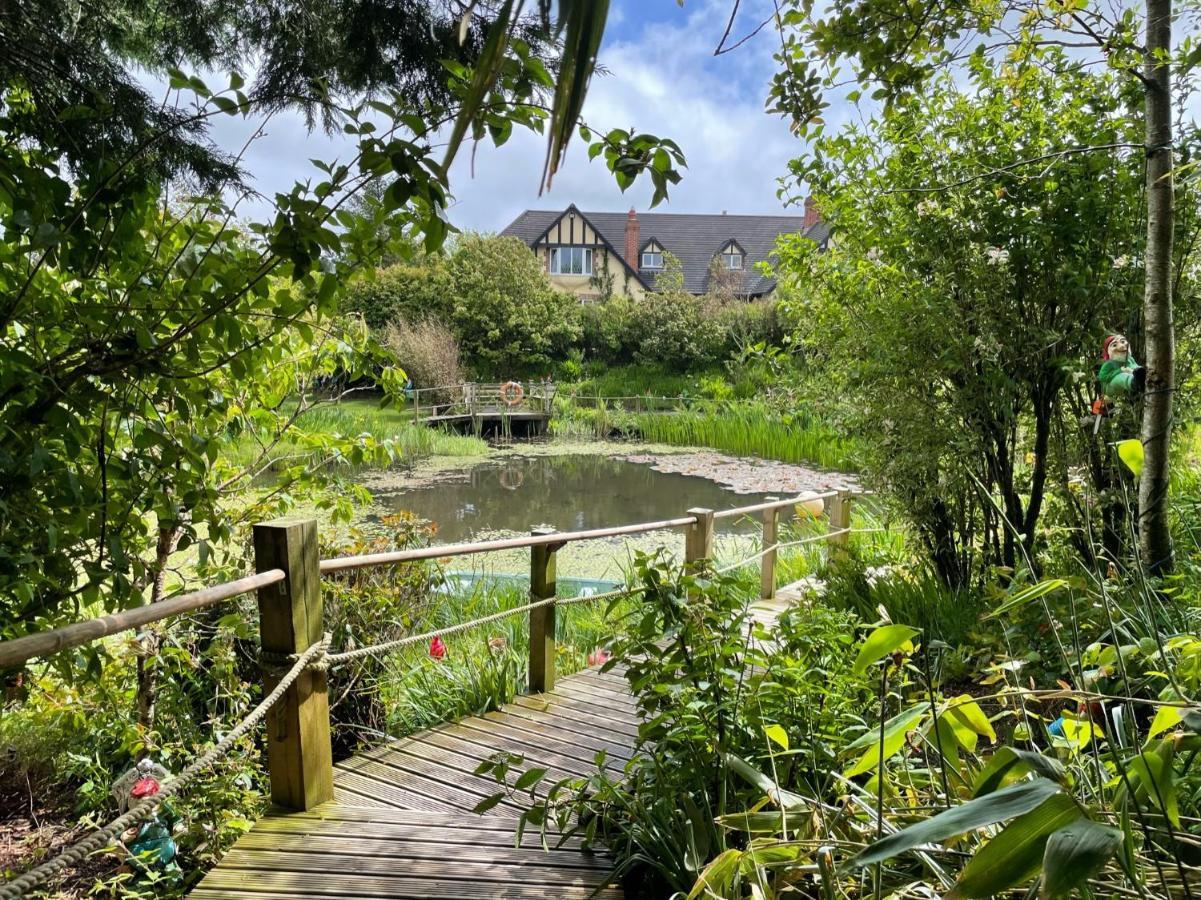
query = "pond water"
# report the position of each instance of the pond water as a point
(565, 492)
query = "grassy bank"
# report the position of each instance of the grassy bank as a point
(349, 419)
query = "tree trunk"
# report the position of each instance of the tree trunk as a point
(152, 640)
(1155, 541)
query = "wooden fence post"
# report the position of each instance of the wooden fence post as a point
(838, 511)
(698, 545)
(299, 756)
(542, 619)
(767, 569)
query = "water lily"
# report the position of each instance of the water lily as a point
(437, 648)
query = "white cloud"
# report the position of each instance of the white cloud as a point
(665, 81)
(661, 79)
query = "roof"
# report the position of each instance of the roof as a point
(693, 238)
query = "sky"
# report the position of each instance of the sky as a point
(663, 78)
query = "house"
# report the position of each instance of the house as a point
(597, 254)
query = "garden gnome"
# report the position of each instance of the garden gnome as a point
(152, 841)
(1119, 375)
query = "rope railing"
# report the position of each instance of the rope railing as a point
(290, 604)
(102, 837)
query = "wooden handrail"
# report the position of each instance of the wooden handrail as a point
(18, 650)
(772, 504)
(342, 563)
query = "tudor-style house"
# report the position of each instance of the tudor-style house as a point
(590, 254)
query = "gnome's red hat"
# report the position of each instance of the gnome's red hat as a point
(1105, 345)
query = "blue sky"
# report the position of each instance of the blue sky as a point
(663, 79)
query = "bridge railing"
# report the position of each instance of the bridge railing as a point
(471, 398)
(295, 653)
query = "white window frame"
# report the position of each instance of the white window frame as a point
(732, 257)
(572, 253)
(652, 265)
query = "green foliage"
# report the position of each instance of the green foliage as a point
(958, 323)
(408, 291)
(508, 319)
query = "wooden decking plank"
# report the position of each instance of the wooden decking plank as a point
(495, 742)
(393, 794)
(359, 865)
(567, 731)
(419, 845)
(436, 790)
(535, 742)
(583, 711)
(576, 723)
(397, 887)
(587, 688)
(466, 765)
(473, 787)
(557, 767)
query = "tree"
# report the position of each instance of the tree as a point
(895, 46)
(673, 328)
(958, 322)
(403, 291)
(509, 319)
(142, 328)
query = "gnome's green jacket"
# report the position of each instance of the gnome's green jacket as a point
(1114, 381)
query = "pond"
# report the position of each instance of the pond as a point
(565, 492)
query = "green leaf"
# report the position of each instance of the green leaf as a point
(1153, 776)
(1016, 853)
(895, 730)
(529, 778)
(1009, 763)
(1166, 717)
(777, 735)
(488, 803)
(1075, 853)
(882, 642)
(1007, 803)
(1131, 453)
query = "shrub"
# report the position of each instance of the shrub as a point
(508, 318)
(672, 330)
(607, 331)
(404, 291)
(427, 350)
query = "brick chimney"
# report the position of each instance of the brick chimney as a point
(812, 215)
(632, 239)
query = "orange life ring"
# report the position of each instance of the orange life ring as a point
(511, 393)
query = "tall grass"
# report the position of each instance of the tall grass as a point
(350, 418)
(484, 667)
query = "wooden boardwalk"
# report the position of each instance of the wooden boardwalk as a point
(401, 824)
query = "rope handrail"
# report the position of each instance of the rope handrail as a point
(101, 837)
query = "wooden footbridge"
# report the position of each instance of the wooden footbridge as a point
(517, 408)
(397, 820)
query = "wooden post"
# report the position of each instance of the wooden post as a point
(542, 619)
(299, 756)
(698, 545)
(767, 568)
(838, 511)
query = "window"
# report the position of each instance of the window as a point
(652, 259)
(731, 257)
(571, 261)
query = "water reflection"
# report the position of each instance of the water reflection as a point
(567, 493)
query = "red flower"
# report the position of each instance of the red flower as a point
(145, 787)
(599, 657)
(437, 648)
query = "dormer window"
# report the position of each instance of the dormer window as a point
(731, 256)
(571, 261)
(652, 257)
